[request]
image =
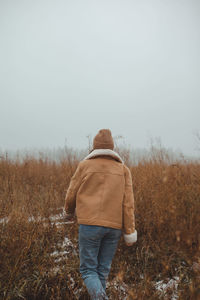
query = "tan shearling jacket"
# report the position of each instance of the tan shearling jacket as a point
(101, 192)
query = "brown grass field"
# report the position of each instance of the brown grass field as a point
(39, 250)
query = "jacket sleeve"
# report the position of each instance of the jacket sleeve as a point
(70, 199)
(128, 205)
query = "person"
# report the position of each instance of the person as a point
(101, 193)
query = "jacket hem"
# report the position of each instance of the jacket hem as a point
(100, 223)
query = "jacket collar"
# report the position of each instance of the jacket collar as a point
(103, 152)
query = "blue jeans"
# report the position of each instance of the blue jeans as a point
(97, 246)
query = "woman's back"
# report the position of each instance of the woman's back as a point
(100, 197)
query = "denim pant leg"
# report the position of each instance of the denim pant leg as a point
(89, 243)
(106, 253)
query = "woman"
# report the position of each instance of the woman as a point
(101, 192)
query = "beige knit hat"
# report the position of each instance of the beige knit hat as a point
(103, 140)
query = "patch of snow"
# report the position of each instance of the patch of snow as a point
(61, 253)
(59, 224)
(36, 219)
(76, 290)
(72, 282)
(4, 220)
(57, 219)
(55, 270)
(171, 287)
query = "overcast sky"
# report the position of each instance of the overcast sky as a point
(71, 67)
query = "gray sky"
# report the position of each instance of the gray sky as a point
(71, 67)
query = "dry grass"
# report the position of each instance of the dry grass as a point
(167, 199)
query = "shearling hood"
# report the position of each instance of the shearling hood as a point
(104, 152)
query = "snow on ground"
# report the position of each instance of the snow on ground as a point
(64, 249)
(168, 288)
(58, 219)
(3, 220)
(62, 255)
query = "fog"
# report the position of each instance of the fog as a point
(70, 68)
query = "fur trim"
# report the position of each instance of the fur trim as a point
(131, 238)
(102, 152)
